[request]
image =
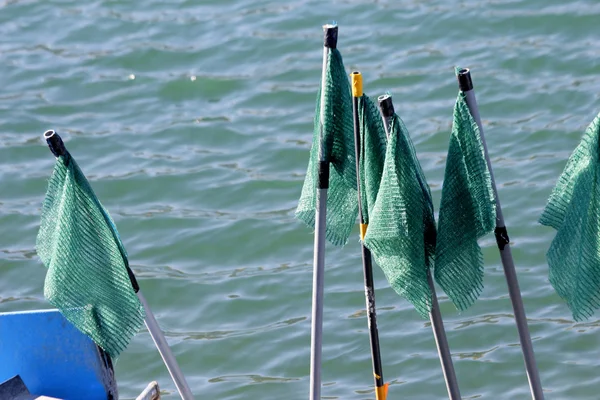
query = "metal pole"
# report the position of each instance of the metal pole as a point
(441, 342)
(466, 86)
(316, 344)
(437, 324)
(57, 147)
(380, 387)
(165, 351)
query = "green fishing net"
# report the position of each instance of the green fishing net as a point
(87, 278)
(467, 211)
(338, 149)
(401, 232)
(573, 209)
(373, 145)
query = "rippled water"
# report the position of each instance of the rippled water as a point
(193, 121)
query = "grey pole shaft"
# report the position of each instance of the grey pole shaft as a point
(441, 342)
(57, 147)
(316, 342)
(437, 324)
(535, 384)
(165, 351)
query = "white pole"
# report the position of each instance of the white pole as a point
(466, 86)
(58, 148)
(165, 351)
(316, 344)
(437, 324)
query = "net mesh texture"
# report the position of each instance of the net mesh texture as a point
(87, 278)
(401, 232)
(467, 211)
(338, 149)
(373, 144)
(573, 209)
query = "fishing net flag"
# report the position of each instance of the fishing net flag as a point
(573, 209)
(87, 278)
(338, 149)
(373, 145)
(401, 232)
(467, 211)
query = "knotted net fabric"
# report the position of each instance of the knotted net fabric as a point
(334, 135)
(573, 209)
(467, 211)
(401, 232)
(87, 277)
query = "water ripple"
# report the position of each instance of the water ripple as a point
(193, 123)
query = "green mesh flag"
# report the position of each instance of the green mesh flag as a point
(372, 153)
(574, 211)
(401, 232)
(467, 211)
(338, 149)
(87, 276)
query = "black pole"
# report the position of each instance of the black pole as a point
(366, 253)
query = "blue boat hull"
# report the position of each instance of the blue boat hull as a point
(53, 358)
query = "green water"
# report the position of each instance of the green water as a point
(193, 123)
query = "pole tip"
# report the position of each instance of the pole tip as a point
(331, 35)
(385, 105)
(464, 79)
(357, 84)
(55, 143)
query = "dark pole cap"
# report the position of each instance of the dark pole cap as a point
(464, 79)
(331, 35)
(57, 146)
(385, 105)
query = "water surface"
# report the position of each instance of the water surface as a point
(193, 122)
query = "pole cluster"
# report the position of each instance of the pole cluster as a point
(387, 112)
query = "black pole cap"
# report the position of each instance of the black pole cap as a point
(56, 144)
(464, 79)
(331, 35)
(385, 105)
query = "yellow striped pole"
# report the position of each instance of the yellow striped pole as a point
(381, 388)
